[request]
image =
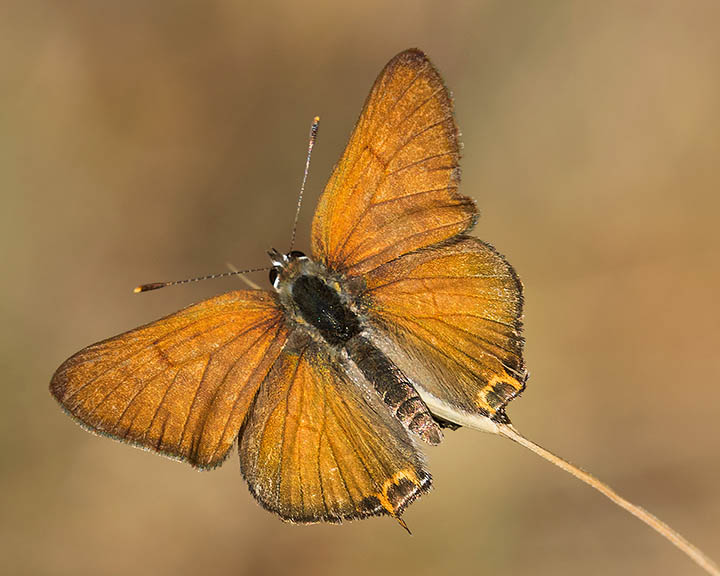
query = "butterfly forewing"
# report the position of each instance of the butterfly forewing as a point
(395, 187)
(180, 386)
(450, 318)
(318, 446)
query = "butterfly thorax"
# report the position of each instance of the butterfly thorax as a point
(315, 299)
(322, 305)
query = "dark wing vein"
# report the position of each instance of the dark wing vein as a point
(219, 387)
(194, 400)
(232, 410)
(405, 239)
(453, 359)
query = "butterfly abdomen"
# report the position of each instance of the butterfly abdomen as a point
(394, 388)
(325, 309)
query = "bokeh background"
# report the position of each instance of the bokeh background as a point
(144, 141)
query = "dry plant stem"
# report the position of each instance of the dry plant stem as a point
(660, 527)
(242, 276)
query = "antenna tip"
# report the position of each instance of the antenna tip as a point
(148, 287)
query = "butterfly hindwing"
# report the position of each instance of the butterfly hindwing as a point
(316, 447)
(182, 385)
(395, 188)
(450, 317)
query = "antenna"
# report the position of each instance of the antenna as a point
(157, 285)
(313, 137)
(695, 554)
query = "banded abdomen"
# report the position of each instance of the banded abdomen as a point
(322, 307)
(394, 388)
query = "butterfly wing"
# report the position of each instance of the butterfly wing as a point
(450, 318)
(395, 187)
(180, 386)
(446, 308)
(319, 446)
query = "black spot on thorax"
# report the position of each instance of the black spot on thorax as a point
(321, 307)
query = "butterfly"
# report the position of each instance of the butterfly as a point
(398, 326)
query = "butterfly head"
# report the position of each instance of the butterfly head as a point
(284, 264)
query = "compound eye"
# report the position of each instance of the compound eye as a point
(294, 254)
(273, 276)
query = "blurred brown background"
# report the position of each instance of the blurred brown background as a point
(144, 141)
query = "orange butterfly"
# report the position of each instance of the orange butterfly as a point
(397, 326)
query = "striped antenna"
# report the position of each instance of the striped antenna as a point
(157, 285)
(313, 137)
